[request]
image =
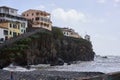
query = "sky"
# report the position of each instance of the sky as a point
(98, 18)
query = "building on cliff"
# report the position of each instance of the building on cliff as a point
(70, 33)
(87, 37)
(11, 24)
(40, 19)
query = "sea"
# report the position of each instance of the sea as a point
(104, 64)
(107, 64)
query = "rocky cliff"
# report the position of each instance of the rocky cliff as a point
(46, 47)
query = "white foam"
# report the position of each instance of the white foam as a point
(17, 68)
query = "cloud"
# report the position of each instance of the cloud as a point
(70, 16)
(73, 18)
(117, 1)
(101, 1)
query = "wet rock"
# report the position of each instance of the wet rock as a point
(104, 57)
(69, 63)
(28, 67)
(58, 61)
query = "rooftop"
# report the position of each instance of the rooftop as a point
(38, 11)
(7, 7)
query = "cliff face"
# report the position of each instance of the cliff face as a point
(70, 49)
(46, 47)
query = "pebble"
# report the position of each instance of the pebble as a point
(46, 75)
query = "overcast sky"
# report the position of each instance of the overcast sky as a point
(98, 18)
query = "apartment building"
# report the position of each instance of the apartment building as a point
(39, 18)
(12, 22)
(70, 33)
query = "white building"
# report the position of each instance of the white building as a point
(87, 37)
(3, 33)
(70, 33)
(14, 23)
(8, 10)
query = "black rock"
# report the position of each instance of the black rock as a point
(68, 63)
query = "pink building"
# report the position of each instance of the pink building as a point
(39, 18)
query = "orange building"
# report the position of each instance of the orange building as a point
(39, 18)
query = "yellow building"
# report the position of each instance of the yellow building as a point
(39, 18)
(13, 28)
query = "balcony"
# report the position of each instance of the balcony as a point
(8, 17)
(11, 19)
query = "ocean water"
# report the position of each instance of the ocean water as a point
(100, 64)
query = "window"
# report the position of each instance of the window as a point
(41, 13)
(67, 33)
(21, 30)
(6, 38)
(14, 26)
(37, 18)
(27, 15)
(42, 19)
(63, 32)
(23, 25)
(5, 32)
(23, 14)
(71, 33)
(10, 33)
(6, 10)
(47, 25)
(14, 34)
(18, 33)
(1, 39)
(32, 19)
(48, 20)
(12, 11)
(37, 13)
(10, 25)
(32, 14)
(18, 26)
(24, 31)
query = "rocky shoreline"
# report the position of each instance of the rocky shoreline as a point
(52, 75)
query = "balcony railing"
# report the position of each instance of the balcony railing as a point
(11, 19)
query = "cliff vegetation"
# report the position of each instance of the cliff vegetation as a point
(46, 48)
